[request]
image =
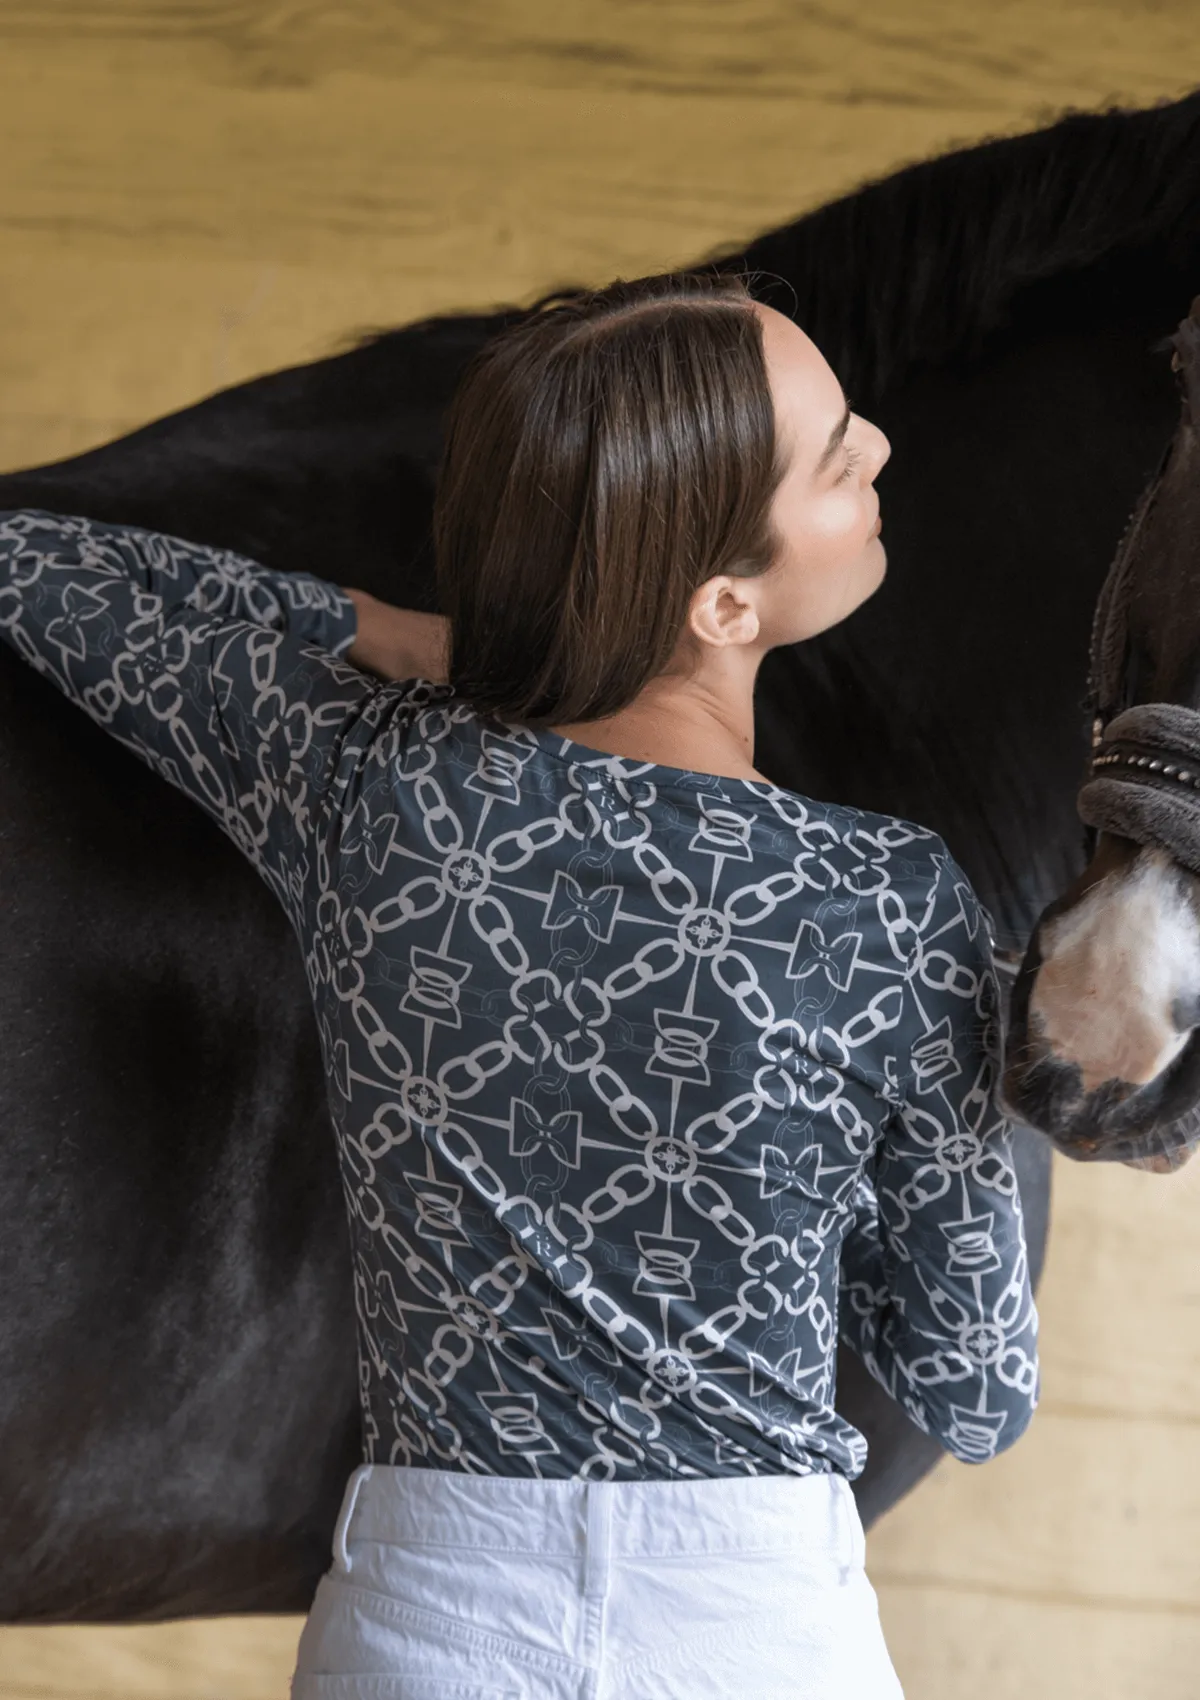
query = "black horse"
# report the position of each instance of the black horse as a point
(177, 1389)
(1104, 1051)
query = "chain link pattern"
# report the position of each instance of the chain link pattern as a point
(644, 1082)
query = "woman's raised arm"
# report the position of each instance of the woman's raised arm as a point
(230, 680)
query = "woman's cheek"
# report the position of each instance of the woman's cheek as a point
(841, 520)
(833, 533)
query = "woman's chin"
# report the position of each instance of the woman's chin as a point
(876, 556)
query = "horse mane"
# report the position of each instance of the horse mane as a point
(922, 265)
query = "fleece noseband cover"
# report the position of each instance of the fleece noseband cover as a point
(1145, 780)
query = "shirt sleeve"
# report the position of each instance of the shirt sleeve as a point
(935, 1291)
(223, 676)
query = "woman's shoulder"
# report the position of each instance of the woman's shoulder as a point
(870, 850)
(892, 881)
(757, 824)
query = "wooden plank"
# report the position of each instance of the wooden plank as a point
(900, 52)
(955, 1645)
(218, 1658)
(1121, 1299)
(1088, 1512)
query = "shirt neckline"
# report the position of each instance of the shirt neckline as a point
(630, 767)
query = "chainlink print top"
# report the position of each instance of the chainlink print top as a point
(625, 1063)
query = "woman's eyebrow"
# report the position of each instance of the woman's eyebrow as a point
(836, 437)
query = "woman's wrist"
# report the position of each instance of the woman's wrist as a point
(398, 643)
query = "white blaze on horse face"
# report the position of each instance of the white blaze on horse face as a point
(1115, 970)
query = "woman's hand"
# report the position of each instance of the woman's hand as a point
(399, 643)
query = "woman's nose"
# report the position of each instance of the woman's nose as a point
(881, 451)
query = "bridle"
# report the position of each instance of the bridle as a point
(1143, 779)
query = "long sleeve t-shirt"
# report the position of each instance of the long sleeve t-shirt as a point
(645, 1083)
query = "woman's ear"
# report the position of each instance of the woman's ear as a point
(722, 612)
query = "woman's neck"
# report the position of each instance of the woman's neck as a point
(702, 721)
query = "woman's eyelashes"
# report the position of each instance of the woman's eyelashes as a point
(853, 459)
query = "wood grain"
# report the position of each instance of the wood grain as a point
(198, 192)
(194, 191)
(988, 1647)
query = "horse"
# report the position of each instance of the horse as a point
(1103, 1053)
(177, 1360)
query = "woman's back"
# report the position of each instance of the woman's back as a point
(614, 1047)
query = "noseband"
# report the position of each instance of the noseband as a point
(1143, 780)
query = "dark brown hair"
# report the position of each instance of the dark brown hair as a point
(604, 457)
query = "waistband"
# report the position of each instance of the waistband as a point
(401, 1505)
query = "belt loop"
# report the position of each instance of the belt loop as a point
(853, 1545)
(341, 1553)
(598, 1549)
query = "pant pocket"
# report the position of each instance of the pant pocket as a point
(395, 1688)
(358, 1645)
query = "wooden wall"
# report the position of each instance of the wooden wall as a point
(193, 193)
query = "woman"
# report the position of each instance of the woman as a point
(633, 1058)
